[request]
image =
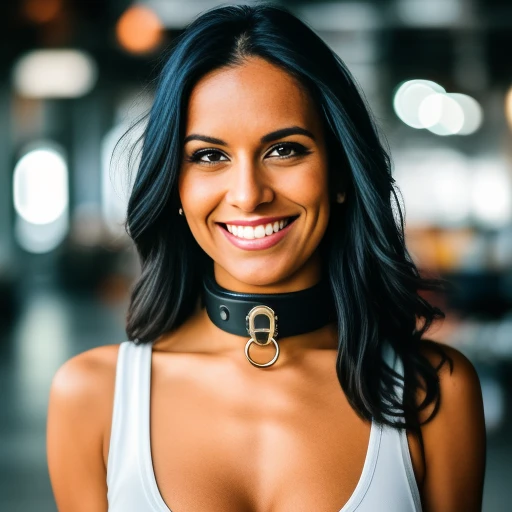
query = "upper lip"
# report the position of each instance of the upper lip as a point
(256, 222)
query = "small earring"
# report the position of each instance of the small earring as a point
(180, 211)
(340, 197)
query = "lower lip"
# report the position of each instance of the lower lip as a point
(256, 243)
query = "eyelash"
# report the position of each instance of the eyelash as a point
(299, 150)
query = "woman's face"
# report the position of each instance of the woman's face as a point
(253, 181)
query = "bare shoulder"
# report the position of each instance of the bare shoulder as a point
(455, 441)
(460, 390)
(79, 414)
(85, 374)
(437, 352)
(85, 384)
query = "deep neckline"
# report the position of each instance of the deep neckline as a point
(147, 471)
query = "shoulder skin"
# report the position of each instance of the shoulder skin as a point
(455, 439)
(79, 411)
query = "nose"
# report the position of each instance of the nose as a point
(248, 186)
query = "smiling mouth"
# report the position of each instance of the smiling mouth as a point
(260, 231)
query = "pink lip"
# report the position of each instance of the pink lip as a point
(255, 222)
(256, 243)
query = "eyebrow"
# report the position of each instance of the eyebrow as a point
(269, 137)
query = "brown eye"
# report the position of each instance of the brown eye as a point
(284, 150)
(207, 156)
(288, 150)
(213, 156)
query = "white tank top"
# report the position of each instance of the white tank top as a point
(387, 482)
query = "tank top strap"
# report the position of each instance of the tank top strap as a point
(131, 401)
(398, 436)
(394, 361)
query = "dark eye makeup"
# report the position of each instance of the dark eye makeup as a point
(284, 150)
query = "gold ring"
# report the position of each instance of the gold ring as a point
(259, 365)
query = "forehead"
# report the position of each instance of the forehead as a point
(254, 96)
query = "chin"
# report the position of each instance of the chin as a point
(259, 278)
(263, 277)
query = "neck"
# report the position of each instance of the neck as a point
(208, 338)
(265, 318)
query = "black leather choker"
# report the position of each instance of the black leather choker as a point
(263, 315)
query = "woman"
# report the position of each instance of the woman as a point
(276, 324)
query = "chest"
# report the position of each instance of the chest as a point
(220, 441)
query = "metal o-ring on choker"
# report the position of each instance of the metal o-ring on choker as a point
(256, 314)
(261, 365)
(253, 333)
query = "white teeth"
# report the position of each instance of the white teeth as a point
(259, 231)
(250, 232)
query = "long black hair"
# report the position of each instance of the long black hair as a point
(374, 281)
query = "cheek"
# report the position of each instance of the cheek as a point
(196, 195)
(198, 199)
(310, 188)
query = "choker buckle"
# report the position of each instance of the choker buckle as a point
(253, 331)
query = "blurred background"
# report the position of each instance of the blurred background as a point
(75, 74)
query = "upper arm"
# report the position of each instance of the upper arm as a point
(455, 441)
(79, 404)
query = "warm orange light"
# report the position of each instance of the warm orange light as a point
(508, 107)
(139, 30)
(41, 11)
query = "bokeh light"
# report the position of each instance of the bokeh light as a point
(441, 114)
(492, 194)
(436, 186)
(508, 107)
(41, 11)
(40, 186)
(55, 74)
(473, 114)
(139, 30)
(409, 97)
(425, 104)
